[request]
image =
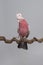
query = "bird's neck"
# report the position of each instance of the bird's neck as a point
(19, 20)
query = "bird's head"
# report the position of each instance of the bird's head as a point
(19, 16)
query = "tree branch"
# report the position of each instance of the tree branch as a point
(2, 38)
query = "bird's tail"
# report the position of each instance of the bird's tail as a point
(23, 45)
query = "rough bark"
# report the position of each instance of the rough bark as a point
(2, 38)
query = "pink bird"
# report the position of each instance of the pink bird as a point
(23, 30)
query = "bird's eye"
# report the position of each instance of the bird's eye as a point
(19, 15)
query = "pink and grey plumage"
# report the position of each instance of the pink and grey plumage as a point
(23, 30)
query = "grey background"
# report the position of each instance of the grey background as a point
(32, 10)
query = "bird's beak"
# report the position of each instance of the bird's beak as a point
(18, 20)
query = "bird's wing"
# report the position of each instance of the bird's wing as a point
(27, 34)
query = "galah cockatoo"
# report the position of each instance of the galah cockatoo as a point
(23, 30)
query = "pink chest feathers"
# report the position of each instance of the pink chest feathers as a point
(23, 28)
